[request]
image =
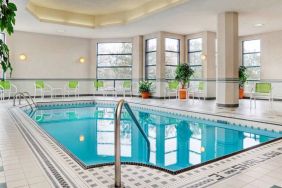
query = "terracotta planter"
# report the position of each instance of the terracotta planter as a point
(241, 93)
(182, 93)
(145, 95)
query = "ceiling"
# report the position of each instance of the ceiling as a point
(91, 6)
(191, 16)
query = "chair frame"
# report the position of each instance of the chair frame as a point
(68, 91)
(1, 93)
(43, 90)
(199, 91)
(169, 90)
(10, 90)
(254, 94)
(126, 89)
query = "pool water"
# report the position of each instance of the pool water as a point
(176, 142)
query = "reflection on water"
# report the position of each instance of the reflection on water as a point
(176, 142)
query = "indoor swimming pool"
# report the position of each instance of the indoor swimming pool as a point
(177, 142)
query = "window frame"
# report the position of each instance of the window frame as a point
(146, 59)
(123, 66)
(248, 53)
(193, 52)
(170, 51)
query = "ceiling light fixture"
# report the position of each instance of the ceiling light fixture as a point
(259, 25)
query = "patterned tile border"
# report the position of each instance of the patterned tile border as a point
(155, 110)
(142, 176)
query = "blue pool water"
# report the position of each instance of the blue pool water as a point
(176, 142)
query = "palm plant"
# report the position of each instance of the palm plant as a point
(7, 22)
(8, 16)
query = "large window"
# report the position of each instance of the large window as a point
(172, 53)
(194, 57)
(2, 36)
(114, 62)
(251, 58)
(150, 59)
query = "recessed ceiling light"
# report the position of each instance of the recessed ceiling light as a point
(60, 30)
(259, 25)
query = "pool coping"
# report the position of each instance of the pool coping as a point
(106, 102)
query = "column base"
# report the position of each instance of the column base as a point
(227, 105)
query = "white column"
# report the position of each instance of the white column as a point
(137, 64)
(227, 62)
(209, 66)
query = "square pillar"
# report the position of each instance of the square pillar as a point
(227, 94)
(137, 63)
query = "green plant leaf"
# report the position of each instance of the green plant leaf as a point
(183, 74)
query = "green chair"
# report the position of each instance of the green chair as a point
(72, 87)
(42, 88)
(8, 88)
(98, 86)
(1, 93)
(172, 88)
(200, 90)
(262, 90)
(126, 87)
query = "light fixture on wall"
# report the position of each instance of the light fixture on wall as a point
(82, 60)
(259, 25)
(203, 57)
(22, 57)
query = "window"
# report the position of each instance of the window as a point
(172, 53)
(2, 37)
(194, 57)
(150, 59)
(105, 134)
(114, 63)
(251, 58)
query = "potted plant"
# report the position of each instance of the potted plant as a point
(243, 76)
(183, 74)
(145, 88)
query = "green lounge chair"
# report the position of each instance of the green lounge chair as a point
(172, 88)
(262, 90)
(42, 88)
(126, 87)
(7, 88)
(72, 87)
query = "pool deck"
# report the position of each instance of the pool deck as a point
(22, 164)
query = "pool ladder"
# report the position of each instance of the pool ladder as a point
(118, 111)
(24, 95)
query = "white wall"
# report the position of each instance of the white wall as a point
(271, 58)
(48, 57)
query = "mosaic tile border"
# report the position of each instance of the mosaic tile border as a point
(99, 177)
(134, 106)
(234, 121)
(50, 169)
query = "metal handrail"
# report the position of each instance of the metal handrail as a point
(118, 112)
(29, 96)
(127, 107)
(22, 94)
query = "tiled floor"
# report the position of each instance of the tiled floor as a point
(21, 165)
